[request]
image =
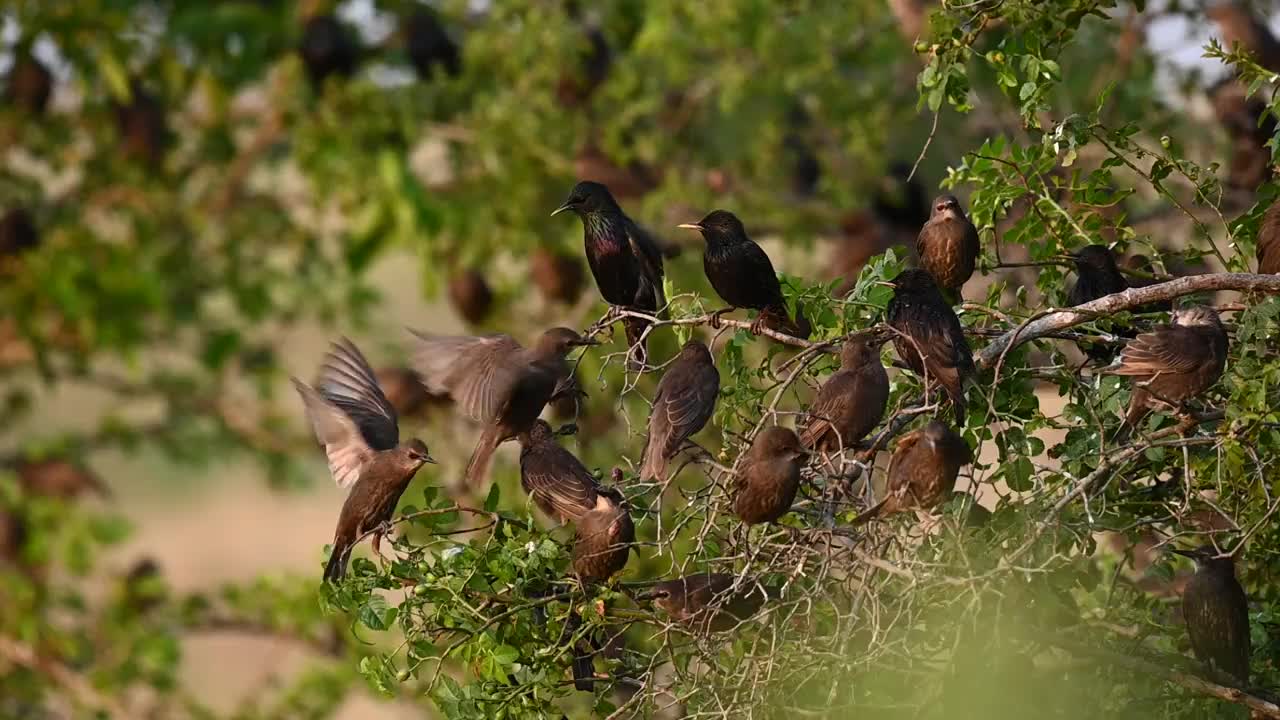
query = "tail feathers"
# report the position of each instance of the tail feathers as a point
(655, 461)
(338, 559)
(481, 458)
(776, 319)
(872, 513)
(638, 353)
(584, 651)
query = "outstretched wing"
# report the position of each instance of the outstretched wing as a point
(344, 445)
(478, 372)
(347, 382)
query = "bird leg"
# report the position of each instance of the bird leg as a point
(715, 317)
(383, 529)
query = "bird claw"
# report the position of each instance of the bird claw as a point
(757, 324)
(715, 317)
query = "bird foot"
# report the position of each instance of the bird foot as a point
(715, 317)
(757, 324)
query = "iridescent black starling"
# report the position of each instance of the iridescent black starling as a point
(1097, 275)
(142, 126)
(682, 405)
(708, 601)
(1173, 363)
(428, 45)
(558, 276)
(1269, 241)
(922, 471)
(361, 438)
(328, 48)
(560, 485)
(766, 484)
(852, 401)
(1216, 611)
(603, 538)
(497, 382)
(626, 263)
(934, 344)
(948, 245)
(741, 273)
(471, 296)
(30, 83)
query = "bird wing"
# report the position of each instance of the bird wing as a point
(477, 371)
(829, 403)
(649, 256)
(903, 446)
(759, 271)
(940, 342)
(561, 481)
(686, 406)
(344, 444)
(1166, 350)
(347, 382)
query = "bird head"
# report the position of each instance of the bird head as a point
(1208, 556)
(1196, 316)
(541, 431)
(1095, 257)
(862, 349)
(587, 198)
(913, 280)
(416, 451)
(941, 438)
(719, 226)
(780, 442)
(561, 340)
(947, 206)
(695, 349)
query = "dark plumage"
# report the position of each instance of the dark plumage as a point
(1097, 275)
(852, 401)
(593, 58)
(496, 382)
(708, 602)
(948, 244)
(142, 126)
(682, 405)
(471, 296)
(1249, 129)
(603, 539)
(934, 344)
(899, 202)
(625, 261)
(328, 48)
(361, 437)
(922, 471)
(766, 484)
(560, 485)
(30, 84)
(405, 392)
(428, 45)
(741, 273)
(1173, 363)
(18, 233)
(558, 276)
(1269, 241)
(1216, 611)
(56, 477)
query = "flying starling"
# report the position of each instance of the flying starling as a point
(327, 48)
(682, 405)
(357, 425)
(948, 245)
(934, 346)
(741, 274)
(557, 276)
(495, 381)
(1216, 611)
(1269, 241)
(471, 296)
(767, 481)
(560, 485)
(708, 601)
(625, 261)
(852, 401)
(428, 45)
(603, 538)
(1173, 363)
(922, 471)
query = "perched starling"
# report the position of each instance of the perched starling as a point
(1173, 363)
(59, 478)
(557, 276)
(1269, 241)
(624, 260)
(428, 45)
(1097, 275)
(560, 485)
(496, 381)
(767, 481)
(741, 273)
(30, 84)
(934, 346)
(1216, 611)
(922, 471)
(852, 401)
(708, 601)
(470, 295)
(357, 425)
(682, 405)
(142, 126)
(603, 538)
(328, 48)
(948, 245)
(1143, 264)
(18, 233)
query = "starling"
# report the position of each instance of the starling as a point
(1173, 363)
(767, 481)
(557, 276)
(328, 48)
(1097, 275)
(1216, 611)
(708, 601)
(922, 471)
(59, 478)
(471, 296)
(496, 381)
(852, 401)
(357, 425)
(18, 233)
(141, 124)
(1269, 241)
(428, 45)
(560, 485)
(929, 337)
(603, 538)
(948, 245)
(30, 84)
(741, 274)
(682, 405)
(624, 260)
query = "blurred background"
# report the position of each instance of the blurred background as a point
(197, 197)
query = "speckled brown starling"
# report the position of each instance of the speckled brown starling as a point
(626, 263)
(922, 471)
(741, 273)
(1216, 611)
(328, 48)
(934, 342)
(361, 437)
(682, 405)
(852, 401)
(1269, 241)
(558, 276)
(1173, 363)
(766, 483)
(428, 45)
(495, 381)
(559, 484)
(142, 126)
(709, 601)
(603, 538)
(948, 245)
(30, 83)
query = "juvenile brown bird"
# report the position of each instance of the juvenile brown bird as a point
(603, 538)
(1173, 363)
(30, 83)
(560, 485)
(766, 484)
(361, 437)
(708, 602)
(558, 276)
(930, 339)
(1216, 611)
(682, 405)
(852, 401)
(1269, 241)
(471, 296)
(948, 245)
(741, 273)
(922, 471)
(496, 382)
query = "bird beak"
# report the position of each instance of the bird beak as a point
(1183, 553)
(690, 226)
(429, 460)
(585, 342)
(561, 209)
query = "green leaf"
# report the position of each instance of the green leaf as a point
(495, 495)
